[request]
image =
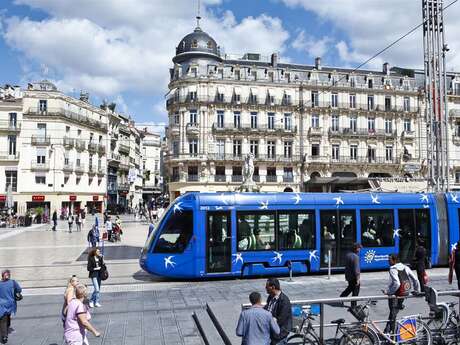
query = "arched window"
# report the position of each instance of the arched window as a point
(194, 44)
(209, 44)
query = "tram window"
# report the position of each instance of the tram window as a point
(256, 231)
(296, 230)
(377, 228)
(176, 233)
(414, 225)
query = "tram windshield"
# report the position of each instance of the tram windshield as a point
(176, 232)
(157, 225)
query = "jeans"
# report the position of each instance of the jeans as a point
(352, 288)
(395, 305)
(54, 225)
(95, 297)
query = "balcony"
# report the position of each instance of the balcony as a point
(175, 178)
(115, 157)
(261, 128)
(252, 101)
(193, 128)
(454, 113)
(92, 147)
(271, 178)
(237, 178)
(174, 129)
(193, 178)
(67, 115)
(220, 178)
(6, 157)
(68, 167)
(69, 142)
(79, 169)
(123, 148)
(101, 149)
(256, 178)
(124, 164)
(41, 140)
(10, 127)
(123, 186)
(315, 131)
(408, 135)
(80, 144)
(39, 166)
(361, 132)
(288, 179)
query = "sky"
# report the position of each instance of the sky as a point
(121, 50)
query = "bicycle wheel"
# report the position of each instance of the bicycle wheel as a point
(423, 335)
(298, 339)
(357, 337)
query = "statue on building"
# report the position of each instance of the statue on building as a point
(248, 184)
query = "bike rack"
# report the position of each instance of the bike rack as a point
(340, 300)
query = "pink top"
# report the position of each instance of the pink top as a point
(73, 330)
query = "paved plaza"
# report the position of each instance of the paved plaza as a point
(138, 308)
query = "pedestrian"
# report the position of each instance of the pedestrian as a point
(94, 267)
(256, 325)
(402, 282)
(109, 228)
(454, 264)
(419, 264)
(70, 221)
(279, 305)
(10, 293)
(78, 221)
(93, 236)
(69, 295)
(55, 218)
(83, 217)
(77, 319)
(352, 273)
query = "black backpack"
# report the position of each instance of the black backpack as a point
(405, 287)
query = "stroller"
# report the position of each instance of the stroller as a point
(116, 233)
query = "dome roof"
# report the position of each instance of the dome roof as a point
(197, 43)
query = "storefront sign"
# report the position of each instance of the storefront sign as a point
(38, 198)
(72, 197)
(2, 198)
(95, 197)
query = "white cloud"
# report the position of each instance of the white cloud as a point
(112, 46)
(370, 25)
(312, 46)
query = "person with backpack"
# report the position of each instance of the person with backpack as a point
(402, 282)
(93, 236)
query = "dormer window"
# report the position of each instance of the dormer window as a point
(370, 83)
(194, 44)
(209, 45)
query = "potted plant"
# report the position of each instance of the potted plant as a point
(39, 211)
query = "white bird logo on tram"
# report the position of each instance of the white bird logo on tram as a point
(454, 197)
(424, 198)
(263, 205)
(313, 255)
(338, 201)
(278, 257)
(169, 262)
(396, 233)
(177, 207)
(297, 198)
(375, 199)
(238, 257)
(223, 198)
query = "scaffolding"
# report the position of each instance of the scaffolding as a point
(435, 95)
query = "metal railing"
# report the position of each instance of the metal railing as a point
(265, 128)
(39, 166)
(80, 168)
(10, 126)
(340, 300)
(344, 131)
(6, 156)
(40, 140)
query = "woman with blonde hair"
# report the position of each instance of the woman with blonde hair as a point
(77, 319)
(69, 295)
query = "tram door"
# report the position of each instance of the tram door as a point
(338, 233)
(218, 242)
(414, 225)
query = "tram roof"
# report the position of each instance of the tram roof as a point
(264, 200)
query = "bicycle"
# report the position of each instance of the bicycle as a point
(305, 334)
(443, 320)
(409, 329)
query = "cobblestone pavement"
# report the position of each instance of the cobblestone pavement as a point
(137, 308)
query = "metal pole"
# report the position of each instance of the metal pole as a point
(321, 323)
(329, 259)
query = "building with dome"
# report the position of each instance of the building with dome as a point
(309, 127)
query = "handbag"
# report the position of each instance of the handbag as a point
(104, 273)
(425, 278)
(17, 296)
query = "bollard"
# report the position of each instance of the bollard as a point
(329, 264)
(289, 263)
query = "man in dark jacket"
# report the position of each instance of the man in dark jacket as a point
(55, 218)
(280, 306)
(352, 273)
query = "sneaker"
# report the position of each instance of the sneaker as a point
(4, 340)
(91, 304)
(98, 305)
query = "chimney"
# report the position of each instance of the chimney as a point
(386, 68)
(318, 63)
(274, 59)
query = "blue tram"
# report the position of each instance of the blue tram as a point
(247, 234)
